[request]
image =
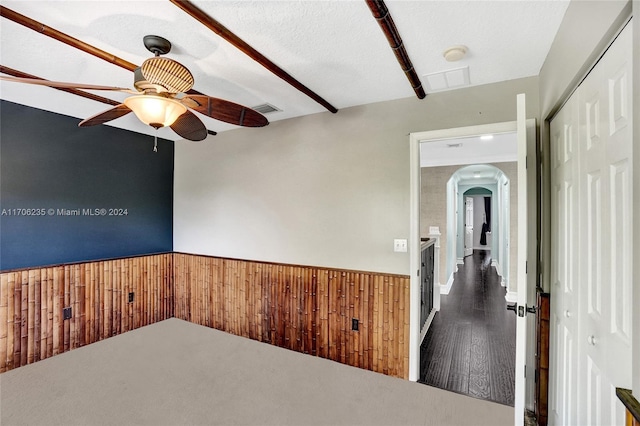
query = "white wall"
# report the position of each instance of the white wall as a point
(318, 191)
(328, 189)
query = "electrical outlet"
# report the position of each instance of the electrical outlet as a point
(66, 313)
(354, 324)
(130, 297)
(400, 245)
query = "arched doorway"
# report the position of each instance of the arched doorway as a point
(478, 182)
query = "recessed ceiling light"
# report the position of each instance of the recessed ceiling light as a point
(486, 137)
(454, 53)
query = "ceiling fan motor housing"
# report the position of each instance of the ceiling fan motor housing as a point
(156, 44)
(141, 84)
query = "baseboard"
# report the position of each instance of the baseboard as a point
(511, 296)
(496, 265)
(427, 324)
(444, 289)
(460, 260)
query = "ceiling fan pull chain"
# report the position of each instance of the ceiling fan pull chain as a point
(155, 142)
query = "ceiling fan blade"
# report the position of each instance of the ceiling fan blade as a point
(190, 127)
(226, 111)
(104, 116)
(63, 85)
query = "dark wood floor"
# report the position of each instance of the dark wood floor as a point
(470, 346)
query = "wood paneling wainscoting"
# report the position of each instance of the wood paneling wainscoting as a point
(543, 318)
(302, 308)
(32, 303)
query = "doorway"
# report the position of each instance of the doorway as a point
(470, 345)
(468, 226)
(415, 227)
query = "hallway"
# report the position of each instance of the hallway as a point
(470, 346)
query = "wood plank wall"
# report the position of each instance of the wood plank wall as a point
(32, 302)
(305, 309)
(543, 318)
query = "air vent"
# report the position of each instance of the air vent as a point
(447, 80)
(265, 108)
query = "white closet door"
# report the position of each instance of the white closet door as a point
(591, 142)
(605, 221)
(564, 265)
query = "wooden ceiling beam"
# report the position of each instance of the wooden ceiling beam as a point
(64, 38)
(17, 73)
(247, 49)
(382, 15)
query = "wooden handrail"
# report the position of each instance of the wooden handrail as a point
(631, 404)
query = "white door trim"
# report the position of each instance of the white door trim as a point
(521, 272)
(414, 227)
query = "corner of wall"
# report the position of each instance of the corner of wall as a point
(446, 288)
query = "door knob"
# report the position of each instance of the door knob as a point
(513, 308)
(592, 340)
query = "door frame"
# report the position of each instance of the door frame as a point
(415, 139)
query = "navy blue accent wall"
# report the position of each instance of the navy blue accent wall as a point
(70, 194)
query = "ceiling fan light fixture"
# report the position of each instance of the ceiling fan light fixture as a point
(455, 53)
(156, 111)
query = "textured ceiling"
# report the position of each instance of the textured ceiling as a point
(335, 48)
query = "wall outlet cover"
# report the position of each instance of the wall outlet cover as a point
(400, 245)
(354, 324)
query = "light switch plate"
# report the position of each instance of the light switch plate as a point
(400, 245)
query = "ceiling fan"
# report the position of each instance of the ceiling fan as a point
(161, 97)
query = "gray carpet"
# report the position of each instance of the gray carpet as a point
(178, 373)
